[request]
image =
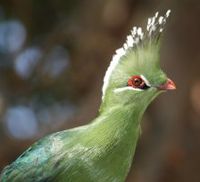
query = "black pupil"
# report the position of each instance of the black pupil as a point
(137, 82)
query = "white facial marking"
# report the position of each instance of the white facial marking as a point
(112, 66)
(145, 80)
(154, 25)
(117, 90)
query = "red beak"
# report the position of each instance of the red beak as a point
(168, 85)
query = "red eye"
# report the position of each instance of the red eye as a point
(137, 82)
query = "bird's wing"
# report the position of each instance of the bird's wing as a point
(38, 163)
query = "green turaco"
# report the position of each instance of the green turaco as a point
(103, 150)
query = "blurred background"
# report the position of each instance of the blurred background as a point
(53, 56)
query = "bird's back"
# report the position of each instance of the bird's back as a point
(41, 161)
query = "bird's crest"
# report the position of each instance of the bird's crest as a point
(154, 28)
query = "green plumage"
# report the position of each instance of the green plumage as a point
(101, 151)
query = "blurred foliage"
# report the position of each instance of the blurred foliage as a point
(53, 55)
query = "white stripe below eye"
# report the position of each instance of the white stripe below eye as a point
(126, 88)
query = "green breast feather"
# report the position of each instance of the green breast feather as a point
(103, 150)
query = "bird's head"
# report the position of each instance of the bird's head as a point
(134, 75)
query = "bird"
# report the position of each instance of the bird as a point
(103, 149)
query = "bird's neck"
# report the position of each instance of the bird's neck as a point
(118, 129)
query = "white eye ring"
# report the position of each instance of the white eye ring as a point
(117, 90)
(145, 80)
